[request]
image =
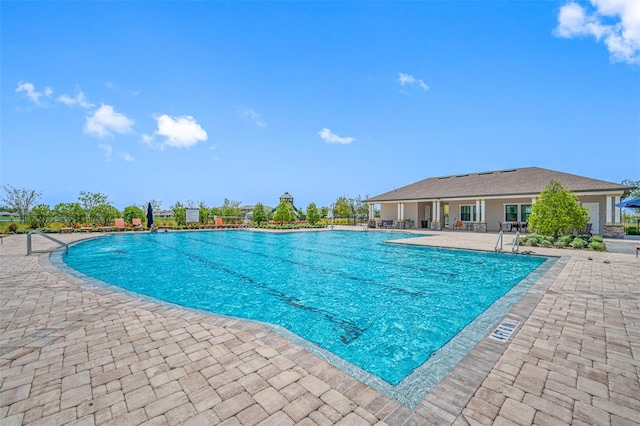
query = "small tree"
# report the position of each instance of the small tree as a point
(342, 208)
(88, 200)
(204, 213)
(362, 208)
(635, 192)
(104, 214)
(39, 216)
(20, 199)
(313, 216)
(557, 212)
(133, 212)
(230, 208)
(284, 212)
(179, 213)
(260, 214)
(70, 214)
(156, 205)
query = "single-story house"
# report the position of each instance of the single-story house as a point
(482, 201)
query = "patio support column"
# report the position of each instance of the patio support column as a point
(613, 228)
(478, 211)
(399, 211)
(372, 212)
(435, 216)
(482, 211)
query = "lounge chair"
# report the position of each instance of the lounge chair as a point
(458, 225)
(119, 224)
(137, 223)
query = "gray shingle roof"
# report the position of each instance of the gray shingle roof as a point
(512, 182)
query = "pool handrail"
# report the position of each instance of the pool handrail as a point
(30, 247)
(499, 241)
(516, 243)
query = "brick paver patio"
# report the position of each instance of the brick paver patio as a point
(74, 354)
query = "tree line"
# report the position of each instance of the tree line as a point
(95, 208)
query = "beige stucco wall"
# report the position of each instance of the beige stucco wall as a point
(494, 210)
(389, 211)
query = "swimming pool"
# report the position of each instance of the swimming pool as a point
(385, 308)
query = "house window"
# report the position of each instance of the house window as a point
(469, 214)
(465, 213)
(525, 212)
(511, 212)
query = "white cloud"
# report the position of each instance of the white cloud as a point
(31, 92)
(107, 149)
(80, 99)
(104, 121)
(181, 132)
(614, 22)
(330, 137)
(127, 157)
(405, 79)
(249, 113)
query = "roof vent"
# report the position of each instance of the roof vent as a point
(444, 177)
(486, 173)
(462, 175)
(507, 171)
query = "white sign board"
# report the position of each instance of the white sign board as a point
(193, 215)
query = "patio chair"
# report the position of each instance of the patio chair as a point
(119, 224)
(586, 230)
(458, 225)
(137, 223)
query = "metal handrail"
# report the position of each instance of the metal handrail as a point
(30, 248)
(516, 246)
(499, 241)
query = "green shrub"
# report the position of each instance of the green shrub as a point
(21, 231)
(585, 238)
(534, 242)
(566, 239)
(632, 230)
(560, 244)
(597, 239)
(597, 246)
(48, 230)
(12, 228)
(546, 243)
(579, 243)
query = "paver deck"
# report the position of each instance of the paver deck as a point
(71, 353)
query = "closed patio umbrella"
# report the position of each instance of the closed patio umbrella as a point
(149, 216)
(633, 203)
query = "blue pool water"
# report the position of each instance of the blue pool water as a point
(385, 308)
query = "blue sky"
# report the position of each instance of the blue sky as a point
(203, 101)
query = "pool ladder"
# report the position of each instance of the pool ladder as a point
(514, 247)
